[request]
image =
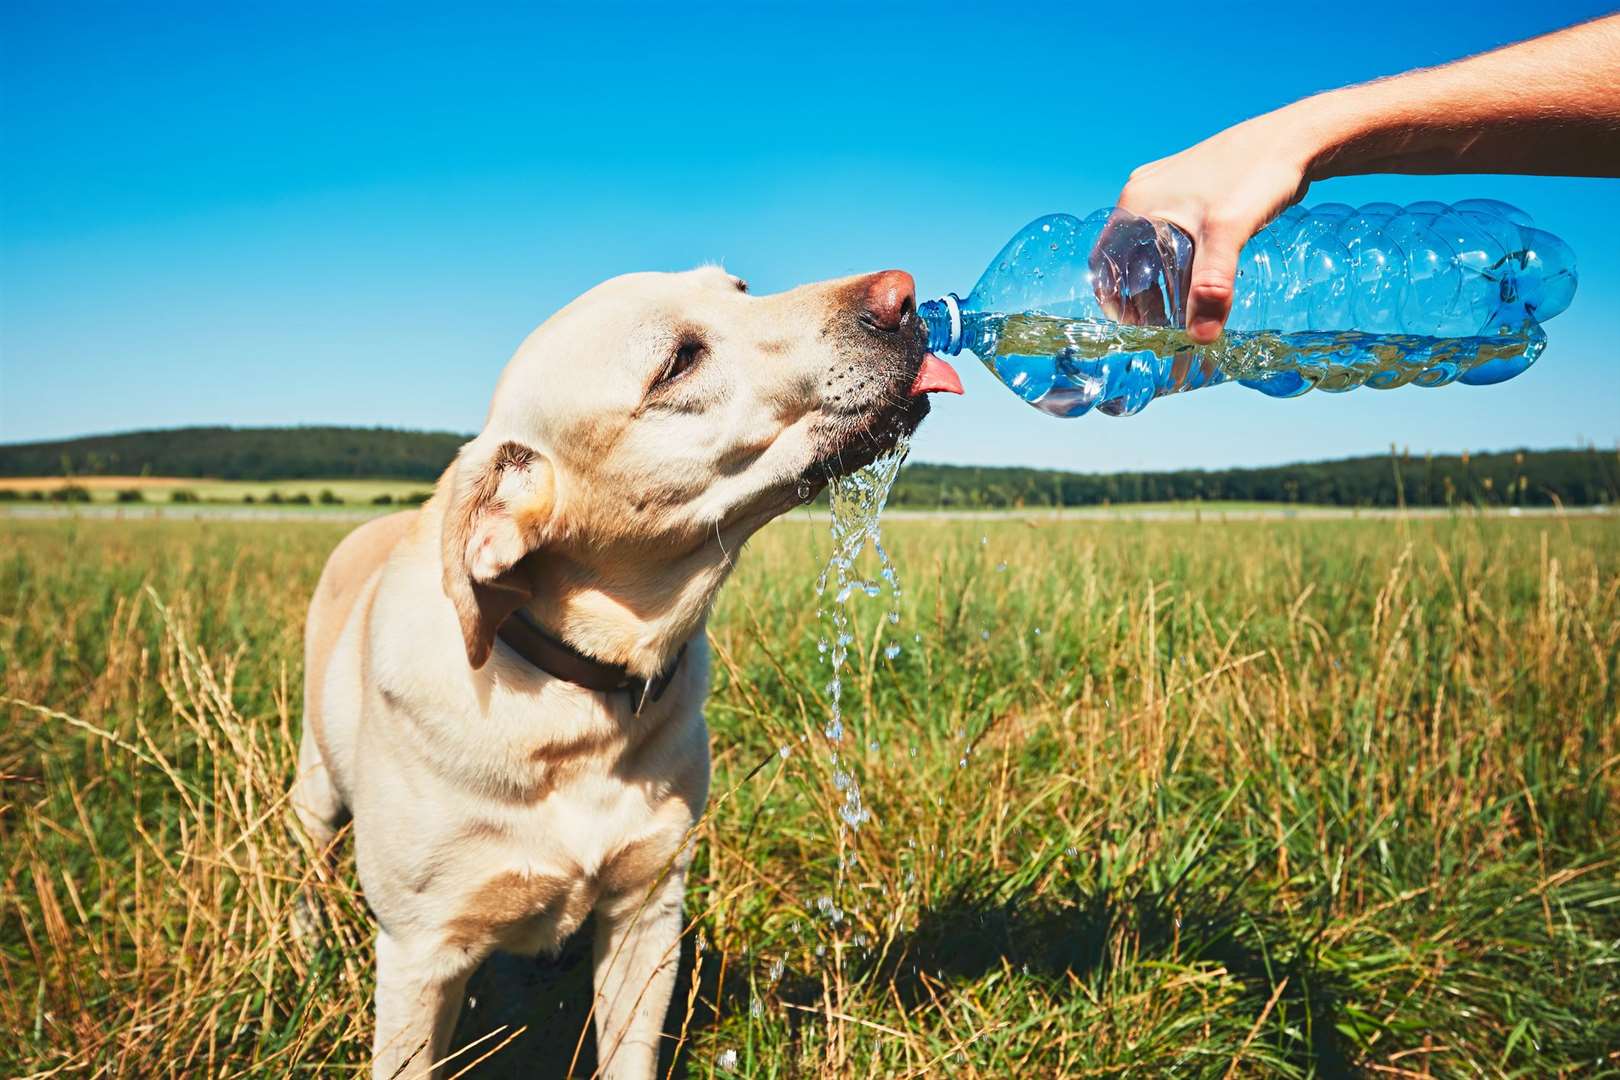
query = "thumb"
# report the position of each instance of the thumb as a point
(1211, 287)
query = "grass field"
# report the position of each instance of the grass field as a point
(1188, 799)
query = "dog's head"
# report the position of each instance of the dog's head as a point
(642, 433)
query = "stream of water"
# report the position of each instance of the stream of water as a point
(857, 502)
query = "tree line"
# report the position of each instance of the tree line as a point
(255, 453)
(1577, 477)
(1584, 477)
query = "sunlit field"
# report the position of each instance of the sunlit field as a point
(1204, 798)
(136, 490)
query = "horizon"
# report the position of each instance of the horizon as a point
(1391, 451)
(306, 218)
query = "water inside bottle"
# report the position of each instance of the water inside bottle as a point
(1036, 353)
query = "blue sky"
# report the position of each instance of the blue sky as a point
(269, 214)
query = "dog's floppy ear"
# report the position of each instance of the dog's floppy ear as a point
(500, 508)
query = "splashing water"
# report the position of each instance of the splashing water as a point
(857, 506)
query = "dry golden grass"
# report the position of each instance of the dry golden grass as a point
(1321, 798)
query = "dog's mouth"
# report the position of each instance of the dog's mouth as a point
(857, 439)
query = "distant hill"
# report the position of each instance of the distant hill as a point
(1524, 477)
(255, 453)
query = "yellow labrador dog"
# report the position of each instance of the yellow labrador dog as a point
(504, 688)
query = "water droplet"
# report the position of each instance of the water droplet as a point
(778, 966)
(1001, 568)
(784, 751)
(891, 651)
(756, 1007)
(984, 635)
(727, 1060)
(962, 764)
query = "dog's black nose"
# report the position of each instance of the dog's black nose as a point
(891, 295)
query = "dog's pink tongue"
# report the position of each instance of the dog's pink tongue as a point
(936, 376)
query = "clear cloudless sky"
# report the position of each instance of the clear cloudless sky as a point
(352, 213)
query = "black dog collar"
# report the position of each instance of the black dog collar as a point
(561, 660)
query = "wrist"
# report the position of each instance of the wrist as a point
(1323, 130)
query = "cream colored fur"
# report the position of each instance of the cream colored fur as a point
(494, 806)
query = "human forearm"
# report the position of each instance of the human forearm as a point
(1550, 106)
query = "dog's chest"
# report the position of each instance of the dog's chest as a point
(527, 812)
(537, 874)
(603, 812)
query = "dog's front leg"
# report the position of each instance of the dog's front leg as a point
(417, 1004)
(637, 954)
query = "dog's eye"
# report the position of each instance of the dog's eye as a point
(685, 358)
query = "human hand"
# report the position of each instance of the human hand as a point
(1220, 192)
(1550, 106)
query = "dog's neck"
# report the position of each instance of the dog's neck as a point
(637, 613)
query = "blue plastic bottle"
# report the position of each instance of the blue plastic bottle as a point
(1076, 314)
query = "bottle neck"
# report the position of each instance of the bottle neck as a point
(943, 317)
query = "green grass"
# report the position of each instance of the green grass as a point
(1259, 799)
